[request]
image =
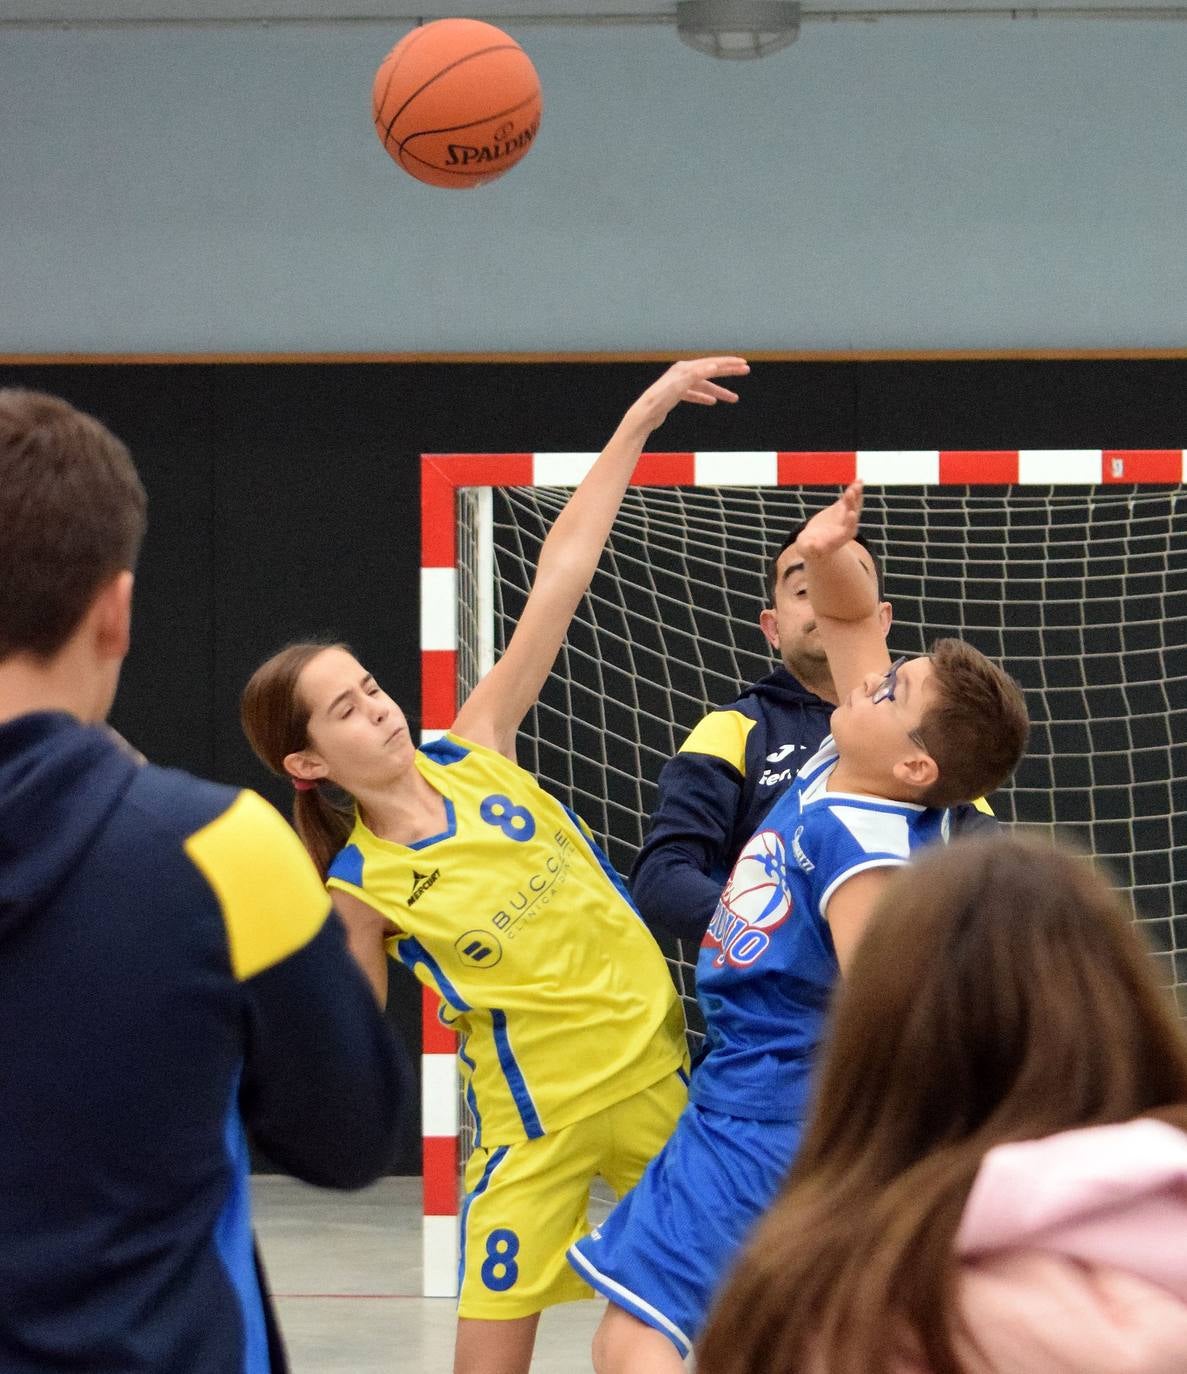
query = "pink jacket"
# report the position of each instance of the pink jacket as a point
(1074, 1253)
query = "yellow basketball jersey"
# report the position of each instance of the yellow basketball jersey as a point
(514, 916)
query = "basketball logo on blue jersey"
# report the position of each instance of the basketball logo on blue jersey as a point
(755, 900)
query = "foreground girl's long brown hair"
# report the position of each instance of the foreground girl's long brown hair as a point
(1000, 994)
(275, 720)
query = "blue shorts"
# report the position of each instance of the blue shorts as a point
(663, 1251)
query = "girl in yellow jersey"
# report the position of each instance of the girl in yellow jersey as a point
(466, 870)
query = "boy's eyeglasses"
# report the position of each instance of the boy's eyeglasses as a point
(885, 692)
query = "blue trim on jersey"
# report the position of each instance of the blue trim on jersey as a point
(347, 866)
(874, 861)
(471, 1100)
(514, 1076)
(683, 1077)
(420, 955)
(233, 1240)
(444, 751)
(492, 1164)
(447, 834)
(607, 867)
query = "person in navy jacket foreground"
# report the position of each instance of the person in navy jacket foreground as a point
(171, 972)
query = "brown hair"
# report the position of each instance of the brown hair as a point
(976, 728)
(275, 720)
(999, 994)
(72, 515)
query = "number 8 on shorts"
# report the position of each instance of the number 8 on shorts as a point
(500, 1270)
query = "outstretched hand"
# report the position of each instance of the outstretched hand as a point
(690, 380)
(833, 527)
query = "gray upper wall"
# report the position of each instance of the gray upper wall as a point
(921, 184)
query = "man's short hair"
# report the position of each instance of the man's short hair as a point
(976, 726)
(773, 565)
(72, 516)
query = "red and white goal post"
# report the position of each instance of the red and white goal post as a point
(1070, 566)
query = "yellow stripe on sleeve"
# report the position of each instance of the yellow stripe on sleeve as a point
(722, 735)
(982, 805)
(272, 900)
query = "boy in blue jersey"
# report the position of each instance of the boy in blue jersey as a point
(171, 972)
(740, 758)
(910, 740)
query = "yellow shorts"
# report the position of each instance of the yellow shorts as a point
(527, 1203)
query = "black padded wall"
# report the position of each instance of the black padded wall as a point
(284, 496)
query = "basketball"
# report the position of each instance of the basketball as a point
(755, 892)
(456, 103)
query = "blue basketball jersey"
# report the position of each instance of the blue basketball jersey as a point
(767, 964)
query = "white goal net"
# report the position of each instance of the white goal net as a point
(1081, 591)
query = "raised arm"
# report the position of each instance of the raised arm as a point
(843, 595)
(494, 710)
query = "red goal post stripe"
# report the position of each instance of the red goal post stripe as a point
(442, 475)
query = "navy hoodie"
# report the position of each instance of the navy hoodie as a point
(170, 972)
(712, 795)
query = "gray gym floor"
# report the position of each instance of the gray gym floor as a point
(345, 1275)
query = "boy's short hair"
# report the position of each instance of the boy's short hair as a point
(72, 516)
(773, 565)
(976, 727)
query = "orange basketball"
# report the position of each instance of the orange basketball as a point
(456, 102)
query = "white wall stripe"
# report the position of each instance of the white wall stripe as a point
(1054, 466)
(899, 468)
(439, 1243)
(561, 469)
(438, 608)
(735, 469)
(438, 1094)
(428, 736)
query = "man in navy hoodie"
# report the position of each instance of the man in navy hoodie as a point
(171, 972)
(737, 760)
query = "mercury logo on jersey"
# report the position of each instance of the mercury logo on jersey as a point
(755, 901)
(421, 882)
